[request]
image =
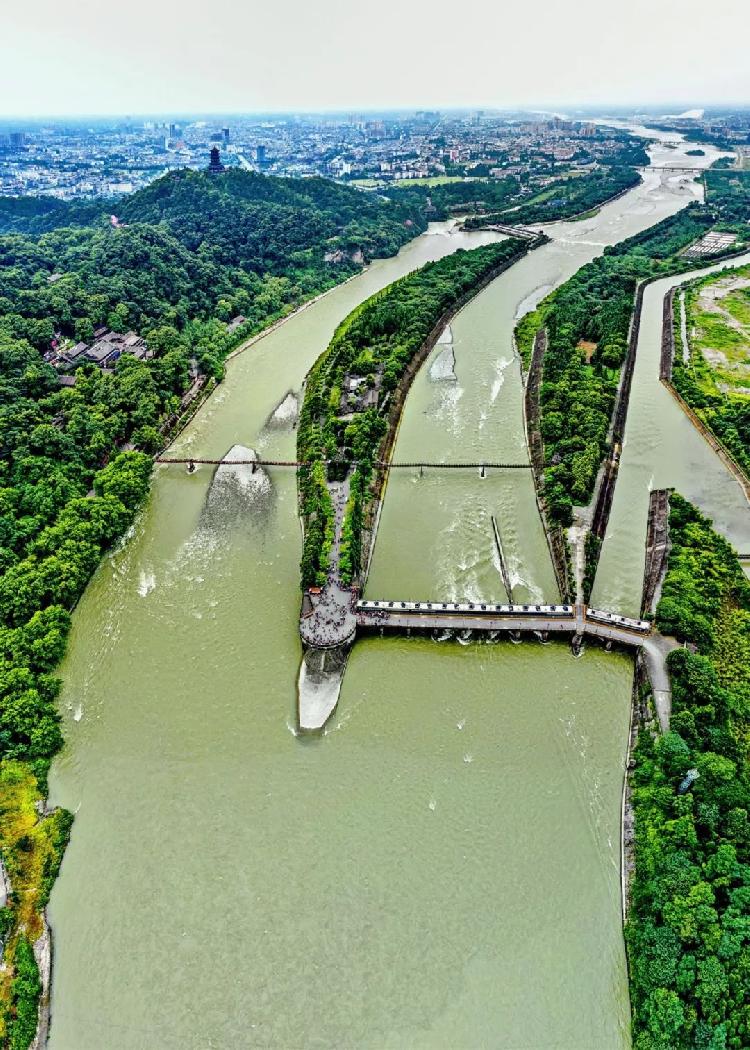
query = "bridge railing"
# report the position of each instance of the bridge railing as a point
(432, 465)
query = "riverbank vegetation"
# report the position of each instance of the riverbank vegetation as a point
(715, 378)
(688, 931)
(32, 848)
(462, 197)
(564, 199)
(588, 321)
(350, 388)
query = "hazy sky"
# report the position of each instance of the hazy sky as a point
(141, 56)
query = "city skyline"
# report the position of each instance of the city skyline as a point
(58, 62)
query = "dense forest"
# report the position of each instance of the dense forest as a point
(688, 929)
(191, 252)
(41, 214)
(66, 495)
(469, 196)
(193, 247)
(369, 353)
(565, 198)
(587, 321)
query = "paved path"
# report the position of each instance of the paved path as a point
(332, 621)
(656, 648)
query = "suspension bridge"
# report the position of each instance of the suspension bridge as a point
(484, 465)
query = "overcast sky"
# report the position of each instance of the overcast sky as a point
(151, 56)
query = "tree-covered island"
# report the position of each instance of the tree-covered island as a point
(344, 422)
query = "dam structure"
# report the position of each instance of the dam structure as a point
(332, 616)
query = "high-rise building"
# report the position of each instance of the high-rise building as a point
(173, 129)
(260, 156)
(17, 139)
(225, 136)
(214, 164)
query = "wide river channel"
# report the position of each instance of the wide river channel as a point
(441, 867)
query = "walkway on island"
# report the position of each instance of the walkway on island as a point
(328, 619)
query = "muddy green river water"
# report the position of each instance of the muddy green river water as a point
(441, 867)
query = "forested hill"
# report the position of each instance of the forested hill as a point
(190, 247)
(249, 219)
(41, 214)
(261, 222)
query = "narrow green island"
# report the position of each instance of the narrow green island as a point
(688, 927)
(354, 395)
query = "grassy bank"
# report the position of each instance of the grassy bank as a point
(715, 381)
(32, 846)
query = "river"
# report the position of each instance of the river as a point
(441, 867)
(661, 449)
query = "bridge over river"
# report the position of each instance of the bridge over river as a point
(321, 631)
(482, 466)
(541, 620)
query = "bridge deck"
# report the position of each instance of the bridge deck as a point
(486, 465)
(571, 625)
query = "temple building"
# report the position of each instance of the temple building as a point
(215, 165)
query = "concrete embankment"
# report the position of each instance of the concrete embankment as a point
(657, 549)
(501, 558)
(667, 337)
(555, 537)
(398, 400)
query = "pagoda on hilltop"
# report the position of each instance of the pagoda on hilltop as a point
(215, 165)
